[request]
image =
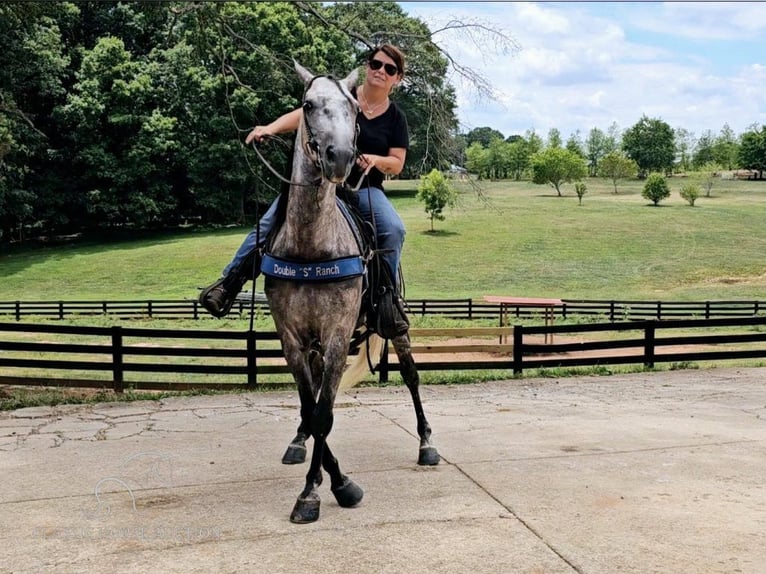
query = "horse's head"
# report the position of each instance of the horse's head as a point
(329, 123)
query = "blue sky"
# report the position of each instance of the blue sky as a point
(579, 65)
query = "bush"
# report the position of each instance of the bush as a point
(656, 188)
(580, 189)
(690, 192)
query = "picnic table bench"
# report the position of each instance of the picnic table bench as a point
(507, 303)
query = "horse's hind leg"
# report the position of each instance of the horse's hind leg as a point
(428, 455)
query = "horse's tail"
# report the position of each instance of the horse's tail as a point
(354, 373)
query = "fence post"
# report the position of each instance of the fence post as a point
(518, 357)
(61, 310)
(149, 308)
(118, 373)
(611, 311)
(383, 365)
(195, 312)
(649, 345)
(659, 310)
(252, 366)
(470, 309)
(18, 310)
(707, 309)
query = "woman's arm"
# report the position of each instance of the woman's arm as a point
(391, 164)
(288, 122)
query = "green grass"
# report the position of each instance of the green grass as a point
(515, 239)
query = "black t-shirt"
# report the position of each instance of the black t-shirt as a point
(377, 136)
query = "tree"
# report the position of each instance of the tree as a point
(726, 148)
(703, 151)
(483, 135)
(477, 160)
(656, 188)
(595, 148)
(752, 149)
(616, 166)
(556, 166)
(436, 193)
(650, 143)
(575, 145)
(554, 138)
(690, 192)
(684, 140)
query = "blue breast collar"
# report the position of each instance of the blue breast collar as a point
(330, 270)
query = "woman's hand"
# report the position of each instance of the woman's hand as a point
(367, 161)
(257, 134)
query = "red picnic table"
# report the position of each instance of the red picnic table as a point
(506, 303)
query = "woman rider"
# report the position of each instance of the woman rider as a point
(382, 145)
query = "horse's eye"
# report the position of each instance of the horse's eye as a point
(307, 106)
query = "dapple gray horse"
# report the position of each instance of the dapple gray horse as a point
(316, 319)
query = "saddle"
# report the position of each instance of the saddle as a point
(382, 310)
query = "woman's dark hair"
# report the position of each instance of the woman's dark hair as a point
(392, 52)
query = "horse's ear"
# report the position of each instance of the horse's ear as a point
(350, 80)
(304, 74)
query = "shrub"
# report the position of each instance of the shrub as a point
(580, 189)
(690, 192)
(656, 188)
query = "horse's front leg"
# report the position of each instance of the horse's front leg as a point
(428, 455)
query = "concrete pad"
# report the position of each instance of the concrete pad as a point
(653, 472)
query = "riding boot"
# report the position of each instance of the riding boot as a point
(390, 317)
(219, 297)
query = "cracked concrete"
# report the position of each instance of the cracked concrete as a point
(643, 473)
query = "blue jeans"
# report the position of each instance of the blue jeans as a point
(389, 227)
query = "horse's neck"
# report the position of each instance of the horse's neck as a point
(311, 206)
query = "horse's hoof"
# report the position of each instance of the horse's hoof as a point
(348, 494)
(428, 456)
(305, 511)
(295, 454)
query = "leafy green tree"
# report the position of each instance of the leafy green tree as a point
(726, 148)
(556, 166)
(518, 157)
(436, 193)
(575, 145)
(477, 160)
(690, 192)
(595, 148)
(498, 158)
(534, 142)
(703, 151)
(656, 188)
(684, 141)
(554, 138)
(615, 166)
(752, 150)
(483, 135)
(651, 144)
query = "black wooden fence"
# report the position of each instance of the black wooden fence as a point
(452, 308)
(244, 355)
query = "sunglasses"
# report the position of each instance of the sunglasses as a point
(390, 69)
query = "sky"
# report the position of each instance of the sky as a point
(583, 65)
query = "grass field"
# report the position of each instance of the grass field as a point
(513, 238)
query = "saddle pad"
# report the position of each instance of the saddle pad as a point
(330, 270)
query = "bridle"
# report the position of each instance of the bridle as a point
(310, 144)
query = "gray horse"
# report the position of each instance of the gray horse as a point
(315, 305)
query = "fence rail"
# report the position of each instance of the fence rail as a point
(119, 353)
(469, 309)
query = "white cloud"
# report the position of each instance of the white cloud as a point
(585, 65)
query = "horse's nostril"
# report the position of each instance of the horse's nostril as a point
(331, 153)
